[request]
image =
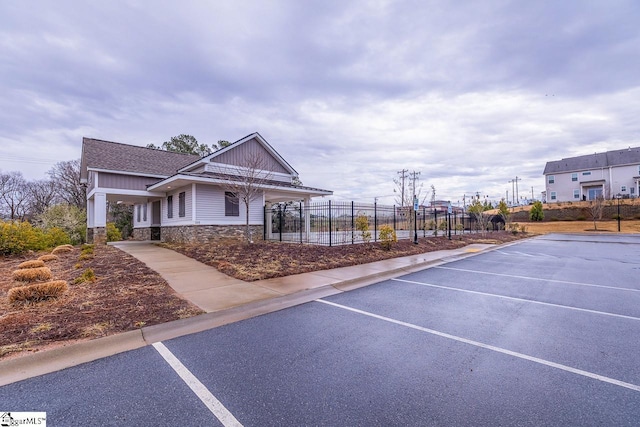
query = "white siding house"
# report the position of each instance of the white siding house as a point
(179, 197)
(588, 177)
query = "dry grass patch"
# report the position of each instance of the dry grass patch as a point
(37, 292)
(34, 263)
(48, 257)
(63, 249)
(32, 274)
(626, 226)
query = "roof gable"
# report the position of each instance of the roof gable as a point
(236, 154)
(115, 156)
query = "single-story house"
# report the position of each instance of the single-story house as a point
(182, 197)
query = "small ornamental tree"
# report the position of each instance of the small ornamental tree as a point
(477, 210)
(503, 211)
(362, 225)
(387, 236)
(536, 213)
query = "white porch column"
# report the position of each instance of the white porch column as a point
(99, 218)
(307, 218)
(90, 212)
(268, 219)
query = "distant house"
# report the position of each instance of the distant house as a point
(180, 197)
(589, 177)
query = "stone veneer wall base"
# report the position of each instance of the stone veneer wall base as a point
(207, 233)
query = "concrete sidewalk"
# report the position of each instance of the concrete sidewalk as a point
(224, 298)
(213, 291)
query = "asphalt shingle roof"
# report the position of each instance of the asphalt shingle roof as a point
(98, 154)
(627, 156)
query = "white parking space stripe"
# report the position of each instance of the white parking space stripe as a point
(540, 279)
(210, 401)
(490, 347)
(568, 307)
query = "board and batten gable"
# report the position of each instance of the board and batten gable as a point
(210, 202)
(248, 150)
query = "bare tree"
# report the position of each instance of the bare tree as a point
(595, 209)
(42, 195)
(477, 209)
(66, 176)
(246, 183)
(14, 196)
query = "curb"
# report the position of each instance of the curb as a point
(60, 358)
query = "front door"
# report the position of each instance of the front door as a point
(155, 220)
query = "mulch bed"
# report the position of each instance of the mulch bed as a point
(126, 295)
(265, 260)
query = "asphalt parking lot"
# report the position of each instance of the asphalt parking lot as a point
(543, 332)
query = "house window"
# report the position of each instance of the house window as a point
(623, 188)
(632, 190)
(144, 212)
(169, 206)
(139, 209)
(576, 194)
(586, 173)
(181, 204)
(574, 177)
(553, 195)
(231, 204)
(552, 179)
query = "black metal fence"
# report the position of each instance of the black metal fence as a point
(335, 223)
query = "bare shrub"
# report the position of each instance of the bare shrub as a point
(34, 263)
(48, 257)
(32, 274)
(38, 291)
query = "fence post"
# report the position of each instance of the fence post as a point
(330, 231)
(375, 221)
(300, 222)
(394, 218)
(435, 221)
(353, 235)
(455, 222)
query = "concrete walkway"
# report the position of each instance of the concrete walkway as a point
(224, 298)
(213, 291)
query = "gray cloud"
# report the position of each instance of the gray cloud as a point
(470, 94)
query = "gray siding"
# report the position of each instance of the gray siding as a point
(210, 208)
(176, 206)
(238, 155)
(124, 182)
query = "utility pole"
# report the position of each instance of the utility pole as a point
(414, 178)
(513, 193)
(400, 183)
(532, 193)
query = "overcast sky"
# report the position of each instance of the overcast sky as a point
(470, 94)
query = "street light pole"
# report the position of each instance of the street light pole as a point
(415, 219)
